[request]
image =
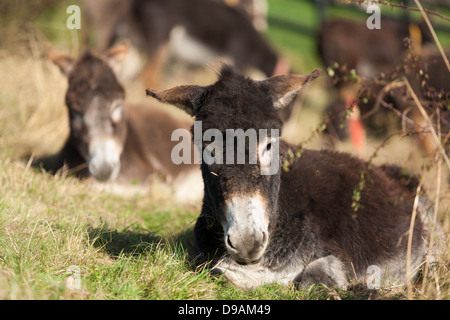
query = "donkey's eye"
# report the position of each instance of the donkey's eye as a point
(75, 117)
(117, 114)
(266, 150)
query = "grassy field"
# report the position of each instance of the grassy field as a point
(141, 246)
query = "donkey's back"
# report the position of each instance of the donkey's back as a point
(360, 214)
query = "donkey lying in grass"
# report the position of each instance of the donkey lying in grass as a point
(110, 139)
(299, 225)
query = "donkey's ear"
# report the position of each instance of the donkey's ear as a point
(63, 61)
(116, 55)
(284, 88)
(187, 97)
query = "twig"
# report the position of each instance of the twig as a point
(77, 168)
(434, 13)
(434, 222)
(404, 117)
(402, 6)
(410, 238)
(446, 138)
(30, 162)
(380, 96)
(433, 33)
(354, 271)
(427, 119)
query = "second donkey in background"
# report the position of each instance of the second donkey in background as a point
(110, 139)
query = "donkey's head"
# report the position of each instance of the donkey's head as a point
(95, 102)
(242, 195)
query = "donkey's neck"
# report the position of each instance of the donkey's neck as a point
(291, 229)
(134, 165)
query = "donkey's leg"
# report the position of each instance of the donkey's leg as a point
(152, 72)
(206, 234)
(327, 270)
(255, 275)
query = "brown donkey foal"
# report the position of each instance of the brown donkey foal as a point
(111, 140)
(296, 225)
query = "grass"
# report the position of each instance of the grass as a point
(137, 247)
(48, 224)
(44, 230)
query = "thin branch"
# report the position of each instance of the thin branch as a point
(410, 238)
(77, 169)
(435, 213)
(427, 119)
(430, 12)
(402, 6)
(380, 96)
(433, 33)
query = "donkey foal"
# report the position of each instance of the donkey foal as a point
(297, 225)
(112, 140)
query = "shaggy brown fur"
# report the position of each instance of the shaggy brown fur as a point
(318, 230)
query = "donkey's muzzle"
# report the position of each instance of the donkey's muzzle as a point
(102, 171)
(247, 249)
(246, 228)
(104, 160)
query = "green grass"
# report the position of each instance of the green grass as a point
(125, 248)
(44, 231)
(138, 247)
(298, 47)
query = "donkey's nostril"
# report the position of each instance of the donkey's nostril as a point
(229, 243)
(264, 239)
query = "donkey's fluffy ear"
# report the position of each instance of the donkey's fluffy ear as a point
(116, 55)
(284, 88)
(187, 97)
(63, 61)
